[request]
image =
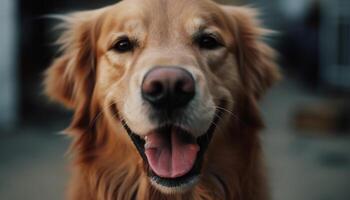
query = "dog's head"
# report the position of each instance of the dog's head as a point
(167, 72)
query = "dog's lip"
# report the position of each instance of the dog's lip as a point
(203, 142)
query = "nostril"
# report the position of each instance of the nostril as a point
(156, 89)
(185, 85)
(179, 87)
(183, 91)
(153, 91)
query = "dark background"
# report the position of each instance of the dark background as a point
(36, 52)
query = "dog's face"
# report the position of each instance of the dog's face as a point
(165, 71)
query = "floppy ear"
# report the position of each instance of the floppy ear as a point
(256, 59)
(70, 78)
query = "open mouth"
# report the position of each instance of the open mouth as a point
(173, 157)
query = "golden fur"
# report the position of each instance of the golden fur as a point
(107, 165)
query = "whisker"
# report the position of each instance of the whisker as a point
(100, 114)
(215, 124)
(232, 114)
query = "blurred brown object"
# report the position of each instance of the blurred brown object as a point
(325, 118)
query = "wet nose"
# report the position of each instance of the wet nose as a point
(168, 87)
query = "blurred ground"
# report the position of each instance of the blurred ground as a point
(301, 167)
(33, 165)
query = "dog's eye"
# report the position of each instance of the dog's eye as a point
(123, 45)
(207, 41)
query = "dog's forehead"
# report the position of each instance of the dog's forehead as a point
(160, 15)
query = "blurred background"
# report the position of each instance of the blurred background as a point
(307, 139)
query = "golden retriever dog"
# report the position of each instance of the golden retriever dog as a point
(164, 94)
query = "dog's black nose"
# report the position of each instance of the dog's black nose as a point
(168, 87)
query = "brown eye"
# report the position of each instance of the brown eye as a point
(123, 45)
(207, 41)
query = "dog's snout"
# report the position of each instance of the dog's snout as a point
(168, 87)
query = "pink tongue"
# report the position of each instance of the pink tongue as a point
(170, 160)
